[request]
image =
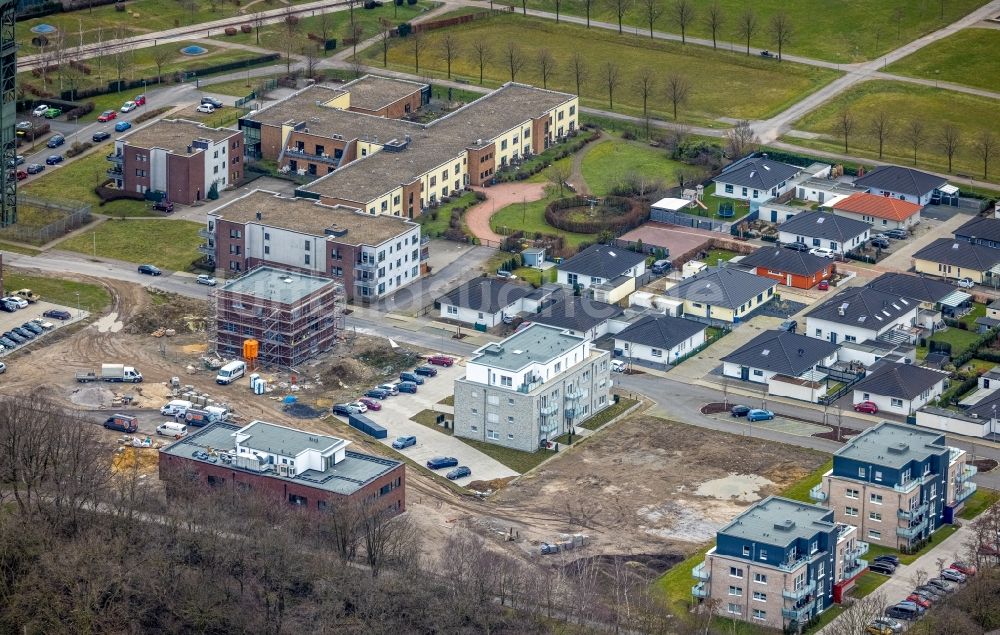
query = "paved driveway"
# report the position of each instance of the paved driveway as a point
(705, 362)
(32, 311)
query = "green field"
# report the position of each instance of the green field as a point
(978, 503)
(905, 102)
(169, 244)
(530, 218)
(848, 31)
(92, 297)
(607, 164)
(720, 82)
(967, 57)
(236, 87)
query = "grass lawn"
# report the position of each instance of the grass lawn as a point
(867, 582)
(92, 297)
(943, 532)
(960, 340)
(607, 164)
(608, 413)
(536, 277)
(825, 618)
(429, 418)
(904, 102)
(966, 57)
(236, 87)
(716, 255)
(530, 217)
(840, 32)
(800, 491)
(980, 365)
(435, 222)
(448, 401)
(18, 249)
(979, 502)
(978, 311)
(168, 244)
(516, 460)
(712, 74)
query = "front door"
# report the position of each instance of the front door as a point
(745, 373)
(833, 338)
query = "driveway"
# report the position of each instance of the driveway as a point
(927, 232)
(451, 264)
(705, 362)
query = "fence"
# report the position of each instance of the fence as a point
(849, 380)
(265, 86)
(461, 19)
(72, 217)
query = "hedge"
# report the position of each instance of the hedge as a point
(633, 214)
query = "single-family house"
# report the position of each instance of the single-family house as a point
(484, 301)
(789, 267)
(660, 338)
(937, 298)
(755, 179)
(905, 184)
(726, 294)
(598, 264)
(581, 317)
(991, 319)
(859, 314)
(901, 389)
(884, 212)
(825, 191)
(825, 230)
(957, 259)
(787, 362)
(980, 231)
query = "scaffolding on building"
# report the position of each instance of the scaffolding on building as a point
(8, 113)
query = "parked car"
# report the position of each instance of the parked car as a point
(55, 141)
(891, 559)
(163, 206)
(7, 342)
(823, 252)
(149, 270)
(881, 243)
(426, 371)
(758, 414)
(883, 568)
(48, 326)
(107, 116)
(53, 159)
(17, 160)
(371, 404)
(898, 234)
(459, 472)
(19, 302)
(206, 279)
(964, 568)
(34, 328)
(122, 126)
(205, 108)
(796, 246)
(404, 442)
(660, 267)
(9, 307)
(35, 168)
(211, 101)
(884, 626)
(739, 411)
(966, 283)
(103, 135)
(440, 360)
(21, 175)
(824, 285)
(359, 407)
(129, 106)
(441, 462)
(952, 575)
(407, 386)
(57, 314)
(40, 110)
(617, 366)
(869, 407)
(377, 393)
(11, 335)
(345, 409)
(24, 126)
(25, 333)
(919, 600)
(52, 113)
(140, 100)
(789, 325)
(412, 377)
(944, 585)
(392, 389)
(904, 611)
(931, 593)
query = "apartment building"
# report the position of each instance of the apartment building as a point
(371, 256)
(531, 388)
(388, 166)
(897, 483)
(304, 469)
(180, 159)
(779, 564)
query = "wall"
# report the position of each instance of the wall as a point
(880, 224)
(479, 371)
(481, 164)
(892, 501)
(700, 309)
(645, 352)
(272, 141)
(780, 388)
(470, 316)
(955, 423)
(908, 406)
(840, 248)
(946, 271)
(719, 566)
(285, 247)
(794, 280)
(860, 334)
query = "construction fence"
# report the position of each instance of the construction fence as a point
(56, 219)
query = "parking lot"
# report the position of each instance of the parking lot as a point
(32, 311)
(395, 417)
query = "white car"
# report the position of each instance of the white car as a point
(205, 108)
(3, 367)
(966, 283)
(362, 408)
(129, 106)
(823, 252)
(206, 280)
(40, 110)
(45, 325)
(617, 366)
(20, 302)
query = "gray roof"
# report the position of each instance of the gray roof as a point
(903, 381)
(278, 285)
(786, 261)
(486, 294)
(780, 521)
(283, 440)
(576, 313)
(602, 261)
(660, 331)
(893, 445)
(916, 287)
(758, 173)
(727, 287)
(825, 226)
(346, 477)
(894, 178)
(980, 227)
(536, 344)
(782, 352)
(863, 307)
(986, 408)
(959, 253)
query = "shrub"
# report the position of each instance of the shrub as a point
(78, 148)
(404, 29)
(246, 28)
(480, 196)
(231, 30)
(456, 235)
(80, 110)
(628, 135)
(411, 2)
(630, 214)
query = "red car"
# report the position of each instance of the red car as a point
(140, 100)
(21, 175)
(440, 360)
(964, 568)
(108, 115)
(372, 404)
(824, 285)
(866, 406)
(919, 600)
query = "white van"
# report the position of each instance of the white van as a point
(617, 366)
(231, 372)
(171, 429)
(175, 407)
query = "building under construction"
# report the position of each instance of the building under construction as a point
(293, 316)
(8, 113)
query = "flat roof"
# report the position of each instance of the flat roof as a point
(312, 217)
(283, 440)
(345, 477)
(537, 344)
(278, 285)
(892, 445)
(374, 92)
(779, 521)
(176, 135)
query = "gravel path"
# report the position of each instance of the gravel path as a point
(497, 197)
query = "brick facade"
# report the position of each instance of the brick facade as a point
(482, 164)
(891, 502)
(797, 281)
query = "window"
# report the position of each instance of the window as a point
(760, 577)
(736, 591)
(878, 475)
(452, 310)
(896, 403)
(729, 188)
(657, 352)
(474, 428)
(759, 596)
(876, 498)
(874, 535)
(746, 550)
(861, 472)
(307, 259)
(492, 417)
(851, 511)
(852, 493)
(510, 419)
(734, 609)
(763, 554)
(505, 380)
(819, 332)
(735, 572)
(875, 516)
(510, 402)
(475, 411)
(758, 373)
(297, 500)
(493, 400)
(492, 434)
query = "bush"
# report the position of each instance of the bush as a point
(411, 2)
(628, 135)
(246, 28)
(231, 30)
(80, 111)
(78, 148)
(404, 29)
(630, 214)
(480, 196)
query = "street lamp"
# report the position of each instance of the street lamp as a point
(78, 312)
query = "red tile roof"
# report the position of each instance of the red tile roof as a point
(877, 206)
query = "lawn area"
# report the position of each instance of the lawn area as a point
(825, 618)
(717, 255)
(608, 413)
(516, 460)
(536, 277)
(960, 340)
(979, 365)
(18, 249)
(966, 57)
(605, 165)
(840, 32)
(236, 87)
(168, 244)
(904, 103)
(978, 311)
(530, 217)
(435, 222)
(448, 401)
(711, 74)
(92, 297)
(867, 582)
(75, 181)
(800, 491)
(943, 532)
(979, 502)
(429, 418)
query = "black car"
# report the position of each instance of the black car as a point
(411, 377)
(11, 335)
(881, 243)
(103, 135)
(55, 141)
(53, 159)
(34, 328)
(898, 234)
(8, 306)
(7, 342)
(377, 393)
(149, 270)
(797, 246)
(882, 567)
(211, 101)
(57, 314)
(441, 462)
(343, 409)
(23, 332)
(889, 558)
(426, 371)
(35, 168)
(739, 411)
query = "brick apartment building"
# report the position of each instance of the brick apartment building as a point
(305, 469)
(182, 159)
(779, 564)
(371, 256)
(897, 483)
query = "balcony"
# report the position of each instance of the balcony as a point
(366, 284)
(907, 487)
(817, 493)
(853, 568)
(801, 614)
(116, 158)
(793, 565)
(115, 173)
(914, 514)
(207, 248)
(911, 532)
(365, 266)
(302, 154)
(579, 394)
(701, 572)
(967, 472)
(551, 409)
(205, 233)
(860, 549)
(801, 592)
(967, 490)
(700, 590)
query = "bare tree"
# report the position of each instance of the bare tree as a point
(684, 15)
(645, 85)
(514, 58)
(291, 24)
(524, 7)
(417, 46)
(386, 536)
(482, 50)
(357, 31)
(311, 58)
(897, 15)
(950, 139)
(858, 615)
(747, 26)
(160, 56)
(714, 19)
(985, 147)
(449, 46)
(678, 89)
(845, 125)
(652, 10)
(915, 136)
(609, 72)
(258, 24)
(620, 8)
(880, 127)
(557, 175)
(781, 30)
(385, 31)
(741, 140)
(578, 65)
(546, 65)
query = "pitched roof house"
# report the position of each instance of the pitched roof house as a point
(981, 231)
(727, 294)
(778, 353)
(858, 314)
(906, 184)
(957, 259)
(789, 267)
(598, 264)
(660, 338)
(883, 212)
(900, 388)
(821, 229)
(755, 179)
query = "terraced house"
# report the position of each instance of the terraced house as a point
(369, 160)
